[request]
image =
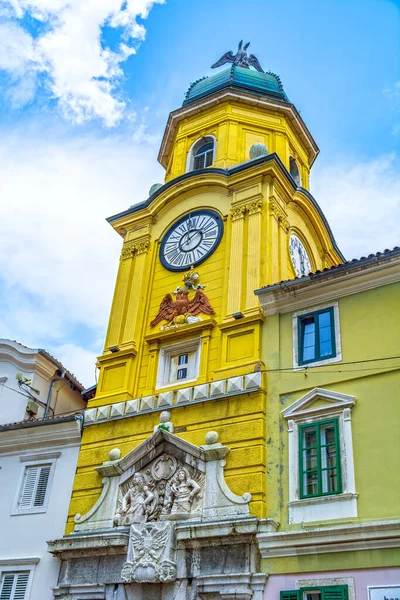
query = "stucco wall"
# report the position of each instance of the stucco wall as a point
(25, 536)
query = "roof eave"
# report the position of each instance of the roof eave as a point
(240, 95)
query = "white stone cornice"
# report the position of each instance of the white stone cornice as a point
(340, 538)
(299, 294)
(67, 433)
(20, 356)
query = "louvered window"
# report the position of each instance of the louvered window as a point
(34, 487)
(13, 585)
(329, 592)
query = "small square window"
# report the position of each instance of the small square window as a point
(178, 363)
(316, 336)
(319, 460)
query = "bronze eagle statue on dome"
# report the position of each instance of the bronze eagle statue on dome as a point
(241, 58)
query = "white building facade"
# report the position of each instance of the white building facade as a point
(38, 456)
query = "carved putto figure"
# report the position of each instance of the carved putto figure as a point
(241, 58)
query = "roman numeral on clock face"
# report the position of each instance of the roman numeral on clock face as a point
(191, 240)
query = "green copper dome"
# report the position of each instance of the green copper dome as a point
(237, 78)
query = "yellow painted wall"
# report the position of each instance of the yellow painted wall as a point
(236, 128)
(240, 422)
(258, 207)
(368, 331)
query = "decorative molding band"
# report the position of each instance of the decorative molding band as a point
(308, 292)
(16, 562)
(40, 456)
(345, 538)
(215, 390)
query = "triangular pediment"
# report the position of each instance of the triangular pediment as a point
(160, 443)
(318, 401)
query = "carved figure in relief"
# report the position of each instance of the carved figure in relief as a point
(138, 503)
(182, 491)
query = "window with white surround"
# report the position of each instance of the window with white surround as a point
(178, 363)
(35, 482)
(14, 585)
(201, 153)
(16, 576)
(321, 465)
(316, 336)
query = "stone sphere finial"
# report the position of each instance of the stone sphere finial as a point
(154, 188)
(115, 454)
(258, 150)
(212, 437)
(165, 416)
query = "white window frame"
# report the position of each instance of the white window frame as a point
(17, 565)
(193, 147)
(164, 363)
(34, 460)
(338, 341)
(327, 582)
(321, 508)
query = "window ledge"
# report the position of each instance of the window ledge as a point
(319, 499)
(29, 511)
(180, 331)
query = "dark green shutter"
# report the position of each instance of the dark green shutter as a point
(334, 592)
(290, 595)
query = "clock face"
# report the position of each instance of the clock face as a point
(191, 240)
(301, 262)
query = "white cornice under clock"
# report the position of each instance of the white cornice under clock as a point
(302, 294)
(340, 538)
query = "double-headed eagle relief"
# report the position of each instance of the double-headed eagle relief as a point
(241, 58)
(182, 310)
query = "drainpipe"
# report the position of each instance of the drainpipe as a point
(52, 382)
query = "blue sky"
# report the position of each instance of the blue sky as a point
(86, 88)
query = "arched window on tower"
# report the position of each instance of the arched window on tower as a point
(201, 154)
(294, 170)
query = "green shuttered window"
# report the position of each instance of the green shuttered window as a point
(316, 333)
(329, 592)
(319, 457)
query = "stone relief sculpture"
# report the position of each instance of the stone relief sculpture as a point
(151, 554)
(165, 491)
(182, 492)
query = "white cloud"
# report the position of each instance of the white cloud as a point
(361, 200)
(58, 255)
(77, 360)
(78, 71)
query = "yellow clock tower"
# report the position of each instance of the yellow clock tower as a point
(185, 331)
